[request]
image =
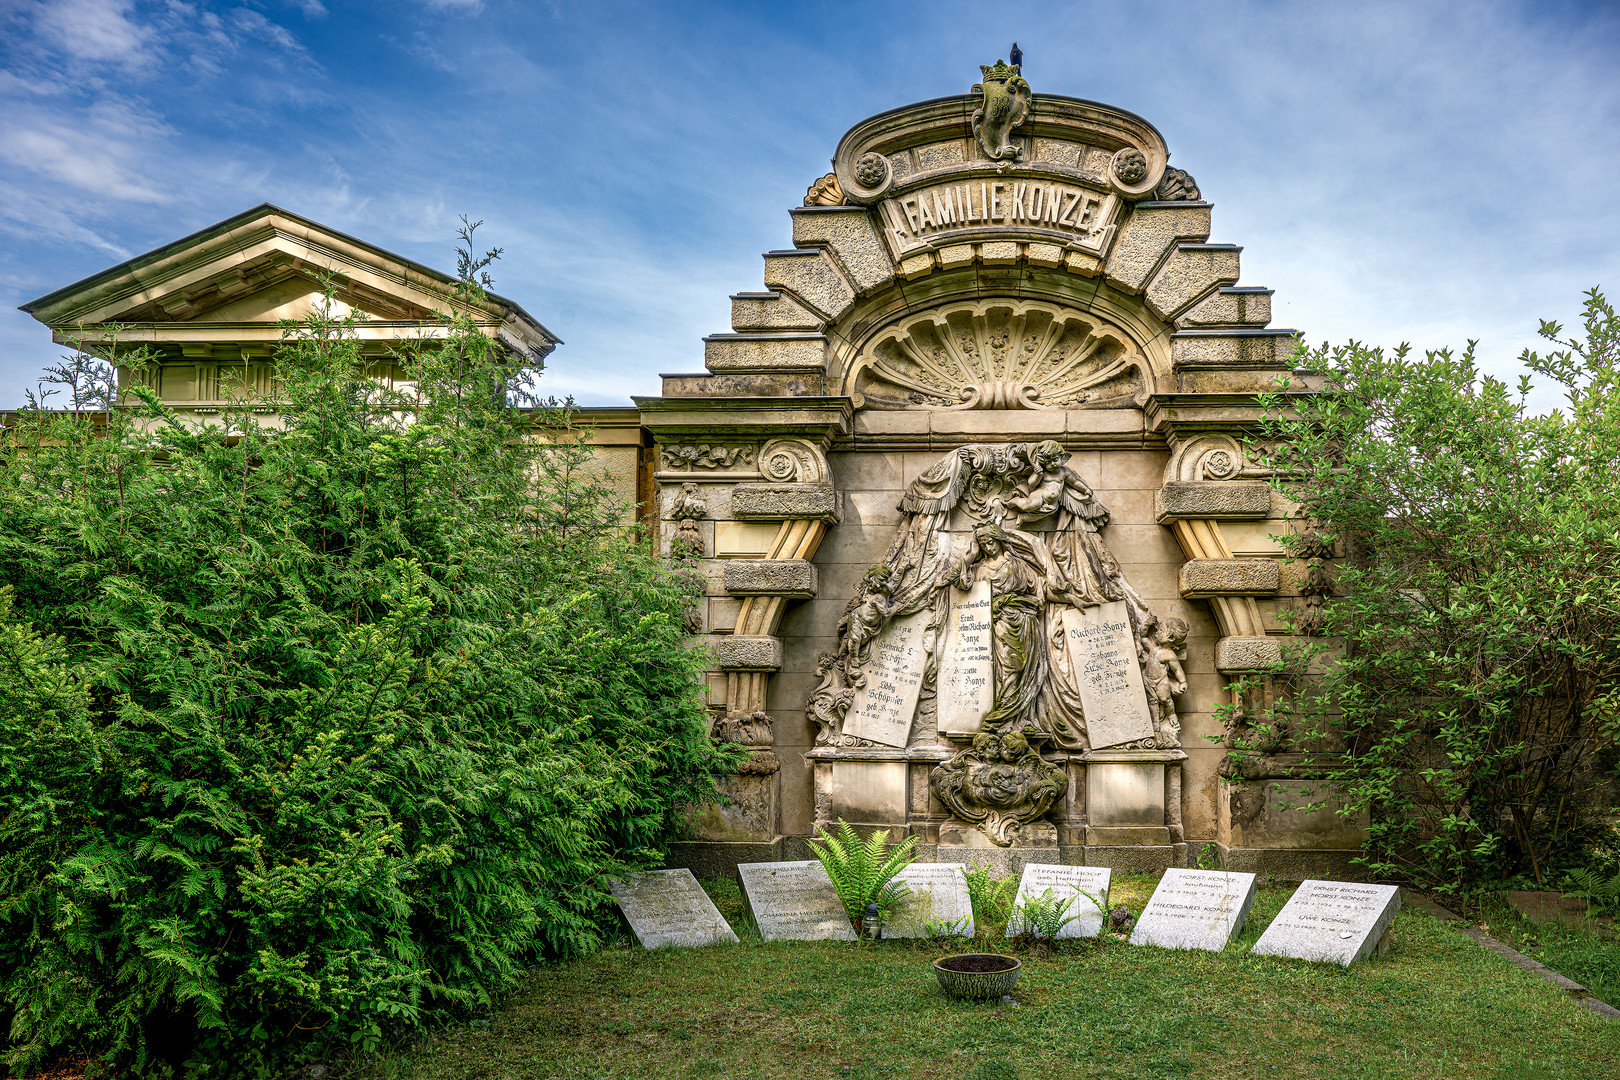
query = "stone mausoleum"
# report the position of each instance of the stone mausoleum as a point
(966, 479)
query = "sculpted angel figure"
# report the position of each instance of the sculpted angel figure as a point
(862, 623)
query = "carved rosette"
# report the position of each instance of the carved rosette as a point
(999, 354)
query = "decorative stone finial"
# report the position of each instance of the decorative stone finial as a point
(1006, 105)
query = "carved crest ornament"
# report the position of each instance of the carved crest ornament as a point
(1000, 618)
(1005, 105)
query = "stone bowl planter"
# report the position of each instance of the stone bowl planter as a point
(977, 976)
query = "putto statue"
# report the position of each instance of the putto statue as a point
(1000, 617)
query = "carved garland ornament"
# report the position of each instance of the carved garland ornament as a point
(999, 354)
(705, 456)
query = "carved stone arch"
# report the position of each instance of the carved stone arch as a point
(999, 354)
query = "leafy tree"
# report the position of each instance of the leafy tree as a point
(1465, 675)
(318, 725)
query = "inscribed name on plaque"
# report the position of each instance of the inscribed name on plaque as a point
(966, 678)
(1332, 922)
(669, 907)
(882, 709)
(937, 895)
(1195, 909)
(1065, 882)
(794, 901)
(1102, 651)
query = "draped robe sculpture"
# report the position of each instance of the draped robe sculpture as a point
(1017, 518)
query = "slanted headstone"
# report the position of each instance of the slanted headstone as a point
(1334, 922)
(669, 907)
(1065, 881)
(966, 678)
(1195, 909)
(1102, 651)
(794, 901)
(938, 893)
(883, 707)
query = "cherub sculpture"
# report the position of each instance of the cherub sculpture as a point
(1163, 648)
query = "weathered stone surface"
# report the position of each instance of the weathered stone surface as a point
(769, 311)
(1216, 499)
(868, 792)
(1235, 654)
(956, 255)
(1202, 578)
(1066, 881)
(1191, 271)
(938, 894)
(1145, 235)
(1234, 348)
(747, 652)
(797, 352)
(1332, 922)
(793, 901)
(1231, 306)
(1195, 909)
(770, 577)
(966, 672)
(1044, 254)
(1082, 263)
(1098, 643)
(669, 907)
(848, 232)
(998, 253)
(883, 707)
(812, 277)
(776, 502)
(915, 266)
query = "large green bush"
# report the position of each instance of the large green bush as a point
(317, 729)
(1467, 688)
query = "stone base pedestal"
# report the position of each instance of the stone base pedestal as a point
(967, 844)
(1137, 858)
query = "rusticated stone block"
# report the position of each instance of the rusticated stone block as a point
(1218, 499)
(771, 577)
(1238, 654)
(1230, 307)
(769, 311)
(812, 277)
(1191, 271)
(1229, 577)
(747, 652)
(776, 502)
(1236, 348)
(735, 353)
(848, 232)
(1145, 236)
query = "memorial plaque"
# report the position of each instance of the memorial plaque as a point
(938, 894)
(1334, 922)
(1195, 909)
(669, 907)
(883, 708)
(1066, 881)
(1103, 653)
(966, 678)
(794, 901)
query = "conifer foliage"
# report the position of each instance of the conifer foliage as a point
(317, 725)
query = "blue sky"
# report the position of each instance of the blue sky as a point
(1422, 172)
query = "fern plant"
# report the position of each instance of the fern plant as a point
(1599, 893)
(1043, 916)
(990, 896)
(863, 870)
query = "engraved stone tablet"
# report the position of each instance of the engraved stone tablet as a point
(793, 901)
(669, 907)
(1335, 922)
(882, 709)
(1195, 909)
(1065, 881)
(1103, 653)
(966, 677)
(938, 893)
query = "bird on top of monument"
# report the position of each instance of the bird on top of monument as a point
(1016, 56)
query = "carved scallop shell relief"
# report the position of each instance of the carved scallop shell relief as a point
(999, 354)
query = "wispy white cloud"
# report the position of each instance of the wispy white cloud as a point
(95, 30)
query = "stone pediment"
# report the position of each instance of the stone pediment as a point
(231, 285)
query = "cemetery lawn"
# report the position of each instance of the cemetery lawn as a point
(1437, 1005)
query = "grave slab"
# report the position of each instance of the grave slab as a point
(1195, 909)
(669, 907)
(1066, 881)
(1103, 653)
(883, 707)
(1332, 922)
(966, 679)
(793, 901)
(938, 892)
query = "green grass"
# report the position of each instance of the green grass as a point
(1587, 951)
(1436, 1006)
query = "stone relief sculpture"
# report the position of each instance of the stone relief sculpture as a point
(705, 456)
(825, 192)
(1006, 105)
(1000, 613)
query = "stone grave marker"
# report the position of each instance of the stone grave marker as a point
(1103, 653)
(1334, 922)
(669, 907)
(938, 893)
(1195, 909)
(966, 678)
(883, 708)
(793, 901)
(1065, 881)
